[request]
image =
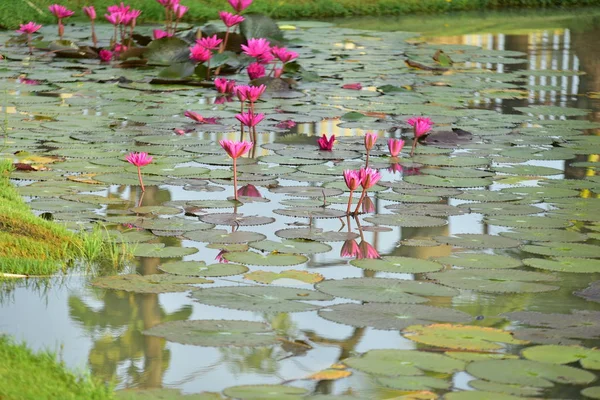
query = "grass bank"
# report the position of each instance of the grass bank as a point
(26, 375)
(14, 12)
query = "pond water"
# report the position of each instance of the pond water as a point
(522, 192)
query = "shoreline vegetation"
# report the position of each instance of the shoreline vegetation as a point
(12, 13)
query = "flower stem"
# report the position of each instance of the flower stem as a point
(367, 162)
(94, 38)
(29, 44)
(362, 197)
(414, 146)
(140, 178)
(349, 202)
(235, 178)
(241, 124)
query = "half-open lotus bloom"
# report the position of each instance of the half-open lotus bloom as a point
(210, 42)
(114, 18)
(395, 146)
(250, 119)
(353, 181)
(284, 55)
(253, 93)
(257, 47)
(159, 34)
(350, 249)
(230, 19)
(326, 144)
(90, 11)
(370, 139)
(180, 10)
(256, 70)
(29, 28)
(421, 126)
(235, 149)
(105, 55)
(199, 53)
(240, 5)
(367, 251)
(139, 160)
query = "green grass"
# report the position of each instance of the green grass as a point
(26, 375)
(14, 12)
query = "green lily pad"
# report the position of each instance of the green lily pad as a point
(545, 235)
(404, 265)
(408, 198)
(157, 283)
(234, 219)
(590, 293)
(592, 392)
(460, 337)
(390, 316)
(565, 264)
(529, 373)
(310, 212)
(478, 241)
(292, 246)
(565, 249)
(156, 210)
(516, 390)
(486, 195)
(215, 333)
(480, 260)
(478, 395)
(199, 268)
(541, 193)
(394, 362)
(269, 259)
(405, 220)
(172, 224)
(438, 181)
(162, 394)
(451, 161)
(529, 170)
(411, 383)
(268, 277)
(525, 221)
(495, 281)
(384, 290)
(161, 251)
(223, 237)
(554, 354)
(500, 208)
(260, 298)
(265, 392)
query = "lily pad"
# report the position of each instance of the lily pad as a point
(223, 237)
(270, 259)
(565, 264)
(554, 354)
(516, 390)
(260, 298)
(590, 293)
(403, 265)
(565, 249)
(233, 219)
(500, 208)
(199, 268)
(292, 246)
(460, 337)
(525, 221)
(495, 281)
(310, 212)
(592, 392)
(412, 383)
(161, 251)
(157, 283)
(478, 241)
(545, 235)
(406, 220)
(265, 392)
(384, 290)
(268, 277)
(480, 260)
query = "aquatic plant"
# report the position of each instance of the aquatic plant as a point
(353, 180)
(395, 146)
(29, 29)
(370, 139)
(60, 12)
(90, 11)
(326, 144)
(421, 126)
(235, 150)
(368, 178)
(139, 160)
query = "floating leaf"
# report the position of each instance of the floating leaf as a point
(517, 390)
(311, 212)
(161, 394)
(292, 246)
(405, 265)
(405, 220)
(270, 259)
(478, 395)
(460, 337)
(495, 281)
(415, 383)
(556, 249)
(199, 268)
(268, 277)
(307, 191)
(592, 392)
(384, 290)
(545, 235)
(215, 333)
(233, 219)
(500, 208)
(147, 283)
(529, 373)
(316, 234)
(223, 237)
(480, 260)
(390, 316)
(554, 354)
(565, 264)
(590, 293)
(259, 298)
(161, 251)
(265, 392)
(528, 222)
(478, 241)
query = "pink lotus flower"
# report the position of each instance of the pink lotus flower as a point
(287, 124)
(265, 58)
(241, 91)
(139, 160)
(350, 249)
(230, 19)
(249, 93)
(256, 70)
(277, 72)
(209, 43)
(119, 8)
(90, 11)
(249, 118)
(249, 191)
(367, 251)
(168, 3)
(130, 17)
(29, 28)
(240, 5)
(224, 86)
(421, 126)
(352, 179)
(284, 55)
(395, 146)
(60, 12)
(352, 86)
(159, 34)
(199, 54)
(234, 150)
(179, 10)
(370, 139)
(179, 132)
(105, 55)
(114, 18)
(369, 177)
(257, 47)
(324, 144)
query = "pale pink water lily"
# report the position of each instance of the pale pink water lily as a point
(352, 86)
(352, 179)
(367, 250)
(250, 119)
(119, 48)
(239, 5)
(210, 42)
(368, 178)
(230, 19)
(90, 11)
(139, 160)
(224, 86)
(284, 55)
(235, 150)
(60, 12)
(200, 54)
(257, 47)
(159, 34)
(370, 139)
(105, 55)
(256, 70)
(395, 146)
(350, 249)
(421, 126)
(326, 144)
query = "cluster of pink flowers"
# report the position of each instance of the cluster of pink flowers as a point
(202, 51)
(365, 177)
(261, 50)
(174, 12)
(363, 250)
(124, 19)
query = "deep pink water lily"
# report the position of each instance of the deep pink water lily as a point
(179, 10)
(287, 124)
(353, 180)
(230, 19)
(239, 5)
(105, 55)
(120, 8)
(219, 258)
(29, 28)
(395, 146)
(114, 18)
(250, 119)
(235, 150)
(139, 160)
(326, 144)
(250, 93)
(194, 116)
(210, 42)
(199, 53)
(60, 12)
(90, 11)
(350, 249)
(159, 34)
(255, 71)
(249, 191)
(130, 17)
(257, 47)
(284, 55)
(421, 126)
